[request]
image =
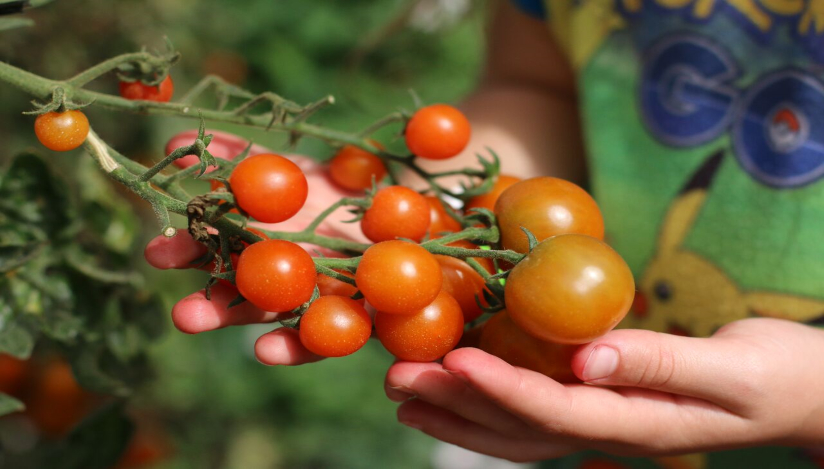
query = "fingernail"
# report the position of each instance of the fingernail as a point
(602, 362)
(411, 424)
(404, 390)
(458, 374)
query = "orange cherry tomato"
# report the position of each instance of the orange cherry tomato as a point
(547, 207)
(488, 200)
(437, 132)
(137, 90)
(439, 220)
(396, 212)
(500, 336)
(269, 187)
(62, 131)
(276, 275)
(335, 326)
(464, 284)
(354, 169)
(398, 277)
(57, 402)
(424, 336)
(571, 289)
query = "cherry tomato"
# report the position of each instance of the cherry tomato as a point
(547, 207)
(396, 212)
(335, 326)
(571, 289)
(398, 277)
(439, 221)
(488, 200)
(424, 336)
(501, 337)
(12, 374)
(437, 132)
(470, 338)
(331, 286)
(62, 131)
(464, 284)
(354, 169)
(138, 91)
(269, 187)
(57, 402)
(144, 449)
(276, 275)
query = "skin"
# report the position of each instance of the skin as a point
(753, 382)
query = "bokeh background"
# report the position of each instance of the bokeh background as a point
(207, 402)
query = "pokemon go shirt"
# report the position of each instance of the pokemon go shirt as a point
(704, 122)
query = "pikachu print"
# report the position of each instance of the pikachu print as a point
(684, 293)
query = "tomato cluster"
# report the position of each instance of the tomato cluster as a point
(568, 288)
(68, 129)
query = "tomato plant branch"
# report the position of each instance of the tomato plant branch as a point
(91, 74)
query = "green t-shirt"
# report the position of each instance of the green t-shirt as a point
(704, 125)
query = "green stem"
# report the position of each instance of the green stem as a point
(91, 74)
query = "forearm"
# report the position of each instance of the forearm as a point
(535, 131)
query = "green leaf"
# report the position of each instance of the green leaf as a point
(9, 405)
(16, 339)
(12, 257)
(97, 443)
(30, 194)
(14, 23)
(88, 365)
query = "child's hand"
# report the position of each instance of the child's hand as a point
(756, 381)
(194, 313)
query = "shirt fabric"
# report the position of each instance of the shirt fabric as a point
(704, 127)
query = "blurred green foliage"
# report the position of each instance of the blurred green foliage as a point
(217, 406)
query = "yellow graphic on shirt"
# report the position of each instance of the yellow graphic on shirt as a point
(582, 26)
(684, 292)
(762, 14)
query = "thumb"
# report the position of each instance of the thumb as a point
(696, 367)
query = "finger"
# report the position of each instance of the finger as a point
(429, 382)
(195, 313)
(709, 369)
(451, 428)
(626, 416)
(177, 252)
(282, 347)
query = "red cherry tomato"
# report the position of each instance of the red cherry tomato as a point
(424, 336)
(12, 374)
(62, 131)
(396, 212)
(398, 277)
(571, 289)
(501, 337)
(437, 132)
(547, 207)
(488, 200)
(137, 90)
(439, 221)
(276, 275)
(354, 169)
(269, 187)
(464, 284)
(335, 326)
